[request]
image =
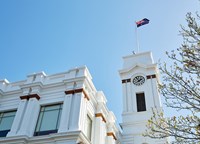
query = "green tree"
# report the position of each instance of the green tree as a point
(181, 89)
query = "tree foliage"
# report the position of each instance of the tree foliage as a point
(181, 89)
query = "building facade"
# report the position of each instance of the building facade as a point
(66, 108)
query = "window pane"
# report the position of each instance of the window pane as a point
(39, 121)
(88, 127)
(9, 114)
(141, 106)
(42, 109)
(58, 123)
(61, 106)
(6, 123)
(54, 107)
(49, 120)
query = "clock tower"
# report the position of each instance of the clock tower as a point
(139, 78)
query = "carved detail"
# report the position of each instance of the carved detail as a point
(111, 134)
(151, 76)
(126, 80)
(78, 91)
(30, 96)
(100, 115)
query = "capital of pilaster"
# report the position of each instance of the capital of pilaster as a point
(75, 91)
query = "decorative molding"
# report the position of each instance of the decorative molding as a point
(127, 70)
(111, 134)
(77, 91)
(34, 96)
(30, 96)
(24, 97)
(151, 76)
(123, 81)
(100, 115)
(126, 80)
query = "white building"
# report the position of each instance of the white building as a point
(140, 78)
(65, 108)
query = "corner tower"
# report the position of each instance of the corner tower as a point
(139, 77)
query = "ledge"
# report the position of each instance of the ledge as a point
(74, 91)
(30, 96)
(151, 76)
(100, 115)
(111, 134)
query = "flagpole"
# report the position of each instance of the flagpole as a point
(137, 41)
(138, 24)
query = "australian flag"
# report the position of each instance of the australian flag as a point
(142, 22)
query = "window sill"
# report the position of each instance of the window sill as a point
(45, 132)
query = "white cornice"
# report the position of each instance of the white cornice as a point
(138, 65)
(35, 84)
(137, 54)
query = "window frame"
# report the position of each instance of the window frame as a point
(88, 133)
(141, 102)
(41, 114)
(3, 133)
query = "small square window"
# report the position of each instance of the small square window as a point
(48, 120)
(6, 120)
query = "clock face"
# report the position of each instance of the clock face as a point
(138, 80)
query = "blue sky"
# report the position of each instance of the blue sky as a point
(56, 35)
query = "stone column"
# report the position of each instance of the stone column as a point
(100, 119)
(83, 113)
(18, 117)
(129, 95)
(111, 138)
(155, 91)
(30, 117)
(98, 134)
(66, 111)
(76, 110)
(124, 91)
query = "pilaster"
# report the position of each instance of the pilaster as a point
(124, 91)
(83, 113)
(75, 101)
(30, 117)
(66, 111)
(18, 118)
(99, 125)
(74, 118)
(111, 136)
(100, 119)
(129, 95)
(156, 93)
